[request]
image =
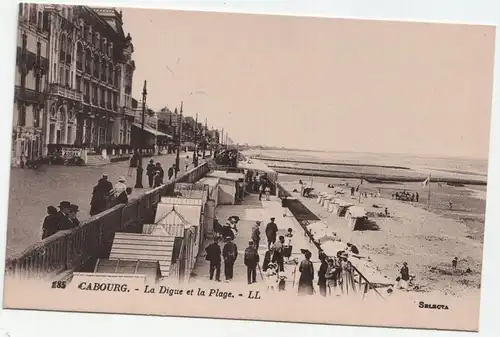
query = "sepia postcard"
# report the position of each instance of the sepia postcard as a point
(244, 166)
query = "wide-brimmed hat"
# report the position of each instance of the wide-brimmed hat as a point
(64, 204)
(122, 179)
(272, 219)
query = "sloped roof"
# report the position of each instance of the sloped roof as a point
(144, 247)
(356, 211)
(188, 214)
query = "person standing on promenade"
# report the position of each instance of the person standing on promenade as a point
(256, 235)
(214, 257)
(160, 170)
(271, 231)
(100, 196)
(267, 190)
(150, 172)
(230, 254)
(273, 256)
(322, 274)
(119, 187)
(50, 223)
(134, 160)
(107, 185)
(331, 277)
(261, 190)
(64, 221)
(157, 181)
(171, 171)
(251, 260)
(306, 279)
(417, 196)
(73, 215)
(123, 197)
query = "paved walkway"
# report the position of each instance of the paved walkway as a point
(250, 211)
(31, 191)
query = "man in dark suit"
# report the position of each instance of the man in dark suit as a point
(251, 260)
(150, 172)
(273, 256)
(64, 220)
(214, 257)
(271, 231)
(230, 254)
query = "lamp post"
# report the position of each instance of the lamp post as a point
(204, 139)
(138, 180)
(195, 139)
(177, 160)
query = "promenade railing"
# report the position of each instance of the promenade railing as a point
(70, 250)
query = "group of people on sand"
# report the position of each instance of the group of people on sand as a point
(406, 196)
(58, 220)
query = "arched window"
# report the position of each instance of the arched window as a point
(111, 73)
(96, 67)
(88, 61)
(39, 21)
(104, 71)
(79, 56)
(33, 14)
(69, 51)
(117, 76)
(62, 48)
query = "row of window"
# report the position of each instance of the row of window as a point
(99, 69)
(98, 96)
(21, 121)
(96, 40)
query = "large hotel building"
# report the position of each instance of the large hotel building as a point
(73, 80)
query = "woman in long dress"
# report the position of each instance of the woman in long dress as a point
(306, 279)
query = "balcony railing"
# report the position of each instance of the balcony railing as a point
(29, 95)
(127, 111)
(102, 103)
(109, 106)
(86, 98)
(94, 101)
(61, 90)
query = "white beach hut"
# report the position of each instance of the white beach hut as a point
(328, 200)
(321, 195)
(340, 206)
(355, 216)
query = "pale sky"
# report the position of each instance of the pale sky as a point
(316, 83)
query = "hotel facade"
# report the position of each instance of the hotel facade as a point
(73, 81)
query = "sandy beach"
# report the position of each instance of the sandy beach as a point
(427, 240)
